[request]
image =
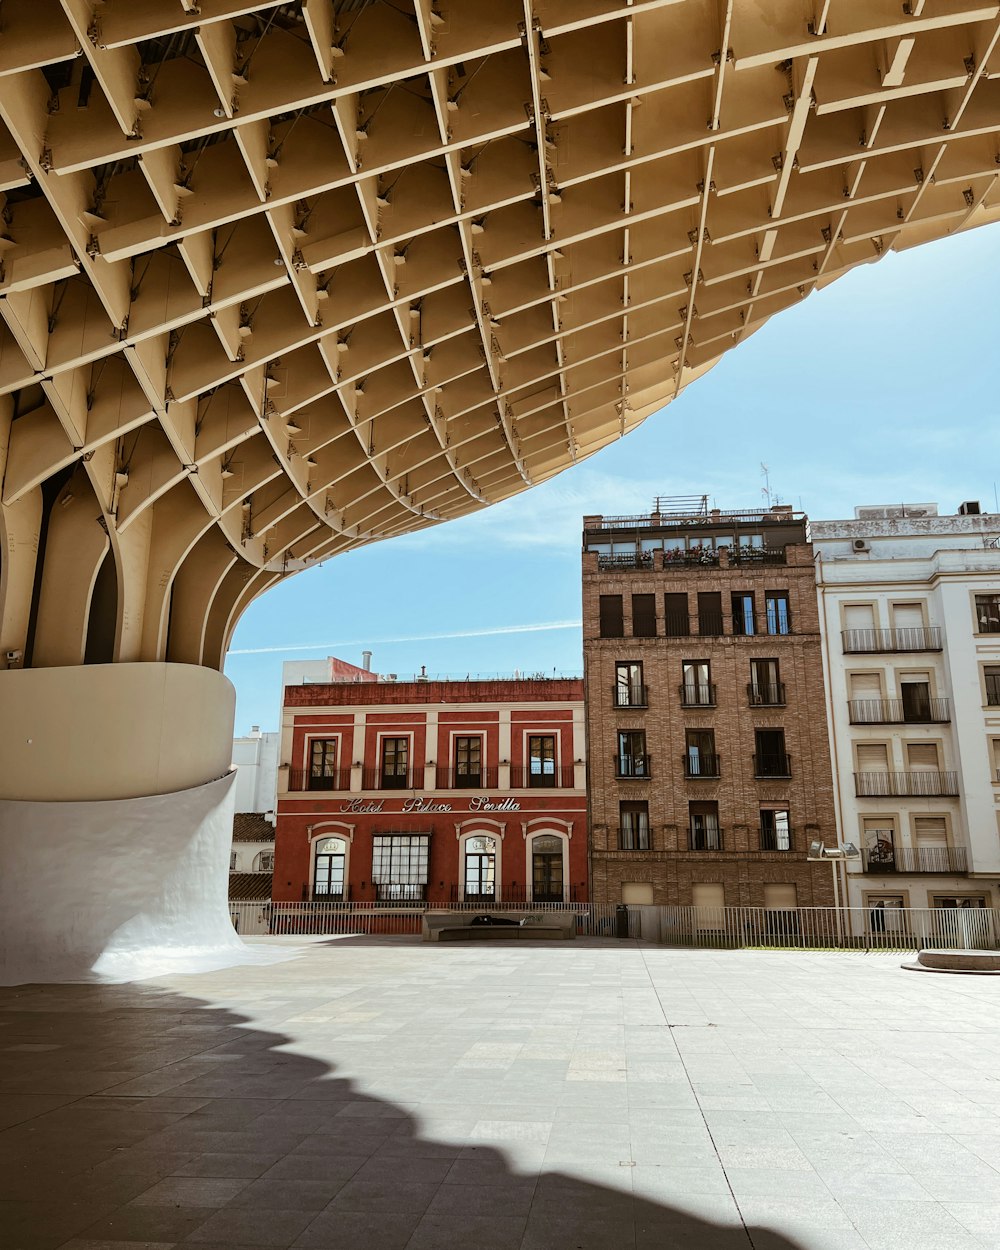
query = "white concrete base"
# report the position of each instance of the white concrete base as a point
(116, 821)
(119, 889)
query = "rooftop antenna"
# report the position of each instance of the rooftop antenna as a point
(766, 492)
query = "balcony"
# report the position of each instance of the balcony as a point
(766, 696)
(705, 839)
(772, 765)
(701, 766)
(462, 779)
(377, 779)
(889, 858)
(534, 777)
(303, 779)
(626, 560)
(710, 557)
(895, 712)
(906, 784)
(697, 696)
(633, 767)
(633, 838)
(873, 641)
(630, 696)
(777, 839)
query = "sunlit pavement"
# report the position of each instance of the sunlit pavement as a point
(382, 1093)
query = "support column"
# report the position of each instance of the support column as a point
(116, 815)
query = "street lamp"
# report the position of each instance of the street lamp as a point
(836, 855)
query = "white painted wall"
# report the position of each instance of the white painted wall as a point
(255, 759)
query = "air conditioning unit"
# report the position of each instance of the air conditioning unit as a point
(860, 544)
(969, 508)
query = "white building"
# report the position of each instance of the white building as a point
(910, 609)
(255, 759)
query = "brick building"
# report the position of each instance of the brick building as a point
(707, 739)
(441, 791)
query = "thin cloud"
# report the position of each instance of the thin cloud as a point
(358, 642)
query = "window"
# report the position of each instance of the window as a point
(704, 827)
(776, 610)
(612, 617)
(780, 897)
(399, 866)
(323, 764)
(916, 700)
(700, 759)
(879, 838)
(480, 869)
(468, 762)
(873, 757)
(328, 875)
(988, 614)
(744, 618)
(644, 616)
(675, 615)
(697, 689)
(637, 893)
(775, 832)
(930, 831)
(633, 829)
(264, 862)
(541, 760)
(770, 759)
(547, 869)
(232, 861)
(780, 902)
(710, 613)
(766, 689)
(991, 674)
(708, 896)
(632, 758)
(629, 690)
(395, 763)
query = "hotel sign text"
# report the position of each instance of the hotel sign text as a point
(420, 805)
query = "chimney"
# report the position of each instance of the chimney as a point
(366, 661)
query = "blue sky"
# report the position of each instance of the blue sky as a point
(881, 388)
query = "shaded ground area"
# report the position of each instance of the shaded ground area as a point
(594, 1095)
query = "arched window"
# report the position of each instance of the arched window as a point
(547, 868)
(264, 862)
(480, 869)
(232, 861)
(328, 875)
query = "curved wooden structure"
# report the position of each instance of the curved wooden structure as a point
(280, 280)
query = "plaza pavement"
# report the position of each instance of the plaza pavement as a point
(595, 1095)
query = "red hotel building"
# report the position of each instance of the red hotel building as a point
(437, 791)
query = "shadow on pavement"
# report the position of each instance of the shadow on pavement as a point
(136, 1116)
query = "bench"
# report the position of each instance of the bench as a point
(943, 960)
(527, 927)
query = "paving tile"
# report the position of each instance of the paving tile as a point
(254, 1226)
(359, 1230)
(190, 1191)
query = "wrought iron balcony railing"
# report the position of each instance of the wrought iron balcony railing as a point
(462, 779)
(633, 838)
(890, 785)
(705, 839)
(630, 696)
(772, 765)
(304, 779)
(772, 695)
(380, 779)
(915, 859)
(702, 765)
(639, 767)
(895, 712)
(909, 638)
(777, 839)
(528, 777)
(697, 695)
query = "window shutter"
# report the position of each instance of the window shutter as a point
(780, 897)
(872, 757)
(612, 619)
(921, 755)
(866, 686)
(859, 616)
(907, 616)
(930, 831)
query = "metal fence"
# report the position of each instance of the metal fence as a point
(726, 928)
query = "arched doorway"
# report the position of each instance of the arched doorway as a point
(547, 881)
(329, 870)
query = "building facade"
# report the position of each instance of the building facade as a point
(709, 762)
(438, 791)
(910, 604)
(255, 758)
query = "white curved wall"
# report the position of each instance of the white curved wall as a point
(113, 731)
(122, 889)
